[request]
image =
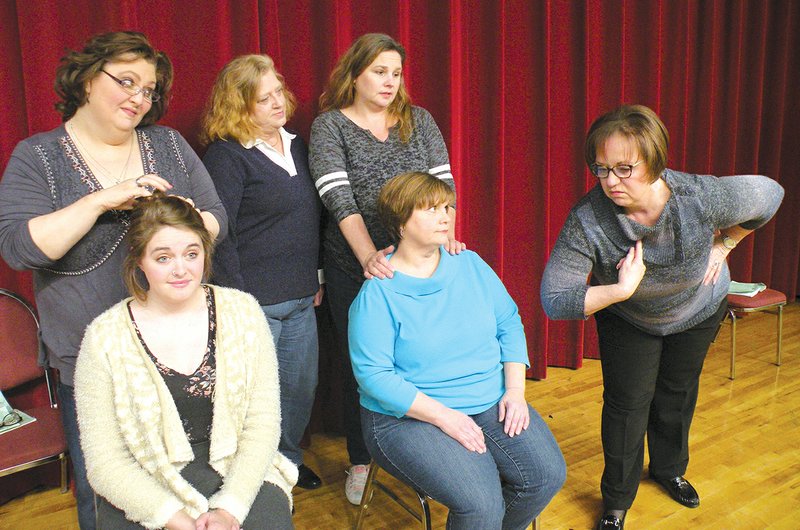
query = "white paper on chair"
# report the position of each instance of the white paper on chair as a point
(745, 289)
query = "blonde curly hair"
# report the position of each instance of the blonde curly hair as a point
(233, 99)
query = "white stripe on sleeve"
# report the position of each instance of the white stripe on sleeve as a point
(329, 187)
(439, 169)
(336, 175)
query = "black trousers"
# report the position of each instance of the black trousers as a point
(650, 385)
(341, 290)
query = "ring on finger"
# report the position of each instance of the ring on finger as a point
(139, 181)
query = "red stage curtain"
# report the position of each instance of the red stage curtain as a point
(513, 86)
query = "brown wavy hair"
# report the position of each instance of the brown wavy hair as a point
(407, 192)
(640, 126)
(79, 67)
(149, 215)
(233, 99)
(341, 92)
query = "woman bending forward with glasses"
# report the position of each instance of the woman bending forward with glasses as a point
(439, 354)
(177, 391)
(65, 196)
(655, 242)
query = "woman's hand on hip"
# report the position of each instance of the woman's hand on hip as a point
(514, 411)
(631, 270)
(377, 266)
(716, 260)
(319, 295)
(462, 429)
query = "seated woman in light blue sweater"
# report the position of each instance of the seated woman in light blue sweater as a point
(439, 355)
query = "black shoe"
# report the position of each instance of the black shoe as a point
(609, 521)
(307, 479)
(680, 490)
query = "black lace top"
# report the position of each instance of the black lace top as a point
(192, 393)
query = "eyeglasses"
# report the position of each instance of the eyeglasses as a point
(11, 419)
(622, 171)
(133, 89)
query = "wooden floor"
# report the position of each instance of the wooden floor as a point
(745, 451)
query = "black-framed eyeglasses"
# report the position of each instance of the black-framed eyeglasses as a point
(133, 89)
(622, 171)
(11, 419)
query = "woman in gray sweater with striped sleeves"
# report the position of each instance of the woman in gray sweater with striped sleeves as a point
(655, 242)
(367, 133)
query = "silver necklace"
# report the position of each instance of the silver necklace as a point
(100, 166)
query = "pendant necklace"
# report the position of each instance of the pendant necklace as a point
(100, 166)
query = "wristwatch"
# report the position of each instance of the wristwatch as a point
(728, 242)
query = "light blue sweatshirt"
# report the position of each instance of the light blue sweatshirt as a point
(445, 336)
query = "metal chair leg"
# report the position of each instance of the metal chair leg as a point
(733, 344)
(366, 497)
(423, 516)
(426, 510)
(780, 334)
(64, 482)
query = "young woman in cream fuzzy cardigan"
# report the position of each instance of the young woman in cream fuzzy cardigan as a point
(177, 391)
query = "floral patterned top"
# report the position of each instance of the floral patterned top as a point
(192, 393)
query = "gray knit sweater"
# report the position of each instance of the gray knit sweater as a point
(46, 173)
(349, 166)
(671, 297)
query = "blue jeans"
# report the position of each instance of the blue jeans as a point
(505, 487)
(84, 495)
(294, 331)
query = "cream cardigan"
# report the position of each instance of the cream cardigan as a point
(131, 433)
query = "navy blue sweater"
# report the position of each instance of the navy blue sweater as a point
(272, 246)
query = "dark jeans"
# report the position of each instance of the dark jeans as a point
(84, 496)
(505, 487)
(650, 384)
(341, 291)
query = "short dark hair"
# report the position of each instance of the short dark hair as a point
(79, 67)
(149, 215)
(403, 194)
(641, 126)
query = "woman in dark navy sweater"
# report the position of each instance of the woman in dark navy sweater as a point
(261, 174)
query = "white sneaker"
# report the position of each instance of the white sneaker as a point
(354, 485)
